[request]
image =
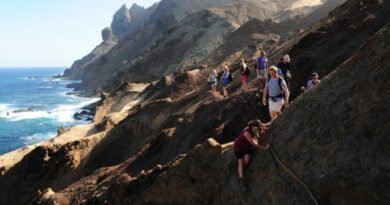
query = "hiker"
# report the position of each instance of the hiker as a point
(262, 67)
(245, 144)
(226, 79)
(213, 80)
(276, 91)
(311, 83)
(285, 68)
(245, 72)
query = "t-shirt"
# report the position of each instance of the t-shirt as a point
(225, 77)
(310, 84)
(213, 77)
(273, 87)
(262, 62)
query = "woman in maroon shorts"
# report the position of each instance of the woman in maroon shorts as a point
(245, 144)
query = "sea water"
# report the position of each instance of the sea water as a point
(34, 104)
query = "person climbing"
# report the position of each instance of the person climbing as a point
(285, 67)
(262, 67)
(311, 83)
(276, 91)
(226, 79)
(213, 80)
(245, 144)
(245, 72)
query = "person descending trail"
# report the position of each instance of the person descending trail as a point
(213, 80)
(262, 67)
(276, 91)
(245, 72)
(226, 79)
(285, 67)
(245, 144)
(311, 83)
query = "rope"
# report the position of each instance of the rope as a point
(277, 159)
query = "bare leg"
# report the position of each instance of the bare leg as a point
(247, 159)
(274, 115)
(225, 94)
(241, 168)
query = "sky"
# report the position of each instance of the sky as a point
(53, 33)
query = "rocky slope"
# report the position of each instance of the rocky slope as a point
(340, 165)
(143, 146)
(335, 39)
(174, 25)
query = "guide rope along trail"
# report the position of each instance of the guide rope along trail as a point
(277, 159)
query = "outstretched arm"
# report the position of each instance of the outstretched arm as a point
(286, 95)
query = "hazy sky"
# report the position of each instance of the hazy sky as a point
(49, 33)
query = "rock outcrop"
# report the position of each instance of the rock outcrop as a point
(121, 22)
(124, 22)
(335, 39)
(143, 56)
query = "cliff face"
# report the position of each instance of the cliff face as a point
(143, 56)
(125, 22)
(77, 70)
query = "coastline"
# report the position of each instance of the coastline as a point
(44, 121)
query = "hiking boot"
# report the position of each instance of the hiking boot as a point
(243, 185)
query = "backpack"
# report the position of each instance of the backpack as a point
(247, 71)
(280, 86)
(280, 73)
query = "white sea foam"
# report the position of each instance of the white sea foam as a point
(62, 113)
(36, 138)
(4, 107)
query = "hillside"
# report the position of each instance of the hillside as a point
(340, 165)
(178, 25)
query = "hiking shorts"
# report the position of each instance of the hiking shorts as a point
(262, 74)
(225, 82)
(244, 78)
(275, 106)
(240, 155)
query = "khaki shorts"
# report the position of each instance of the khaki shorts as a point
(262, 74)
(275, 106)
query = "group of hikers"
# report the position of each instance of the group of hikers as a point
(274, 82)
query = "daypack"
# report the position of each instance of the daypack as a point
(280, 86)
(280, 73)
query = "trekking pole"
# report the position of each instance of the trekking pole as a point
(277, 159)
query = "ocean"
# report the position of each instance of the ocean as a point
(34, 104)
